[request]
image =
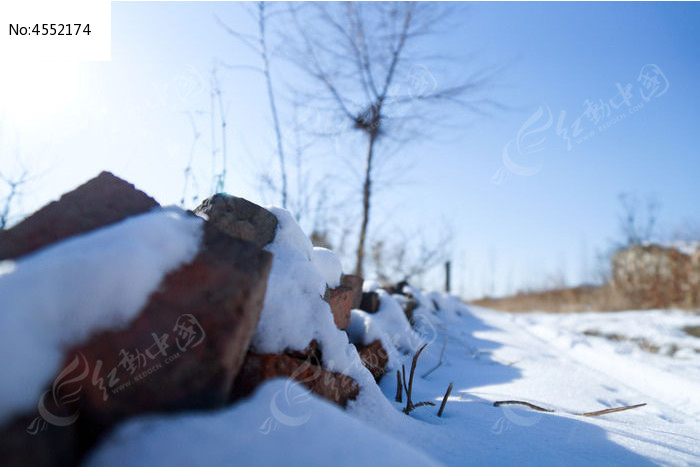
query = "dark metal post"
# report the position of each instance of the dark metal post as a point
(447, 276)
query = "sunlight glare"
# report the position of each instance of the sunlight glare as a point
(33, 90)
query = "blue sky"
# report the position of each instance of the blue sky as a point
(69, 121)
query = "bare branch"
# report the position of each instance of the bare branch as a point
(271, 98)
(241, 67)
(245, 39)
(189, 175)
(442, 352)
(362, 68)
(220, 177)
(318, 72)
(396, 54)
(398, 387)
(14, 185)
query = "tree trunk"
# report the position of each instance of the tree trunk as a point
(271, 97)
(366, 195)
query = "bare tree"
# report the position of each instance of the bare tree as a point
(189, 176)
(409, 256)
(363, 58)
(310, 200)
(217, 107)
(259, 44)
(638, 219)
(14, 187)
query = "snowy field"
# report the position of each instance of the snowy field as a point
(554, 361)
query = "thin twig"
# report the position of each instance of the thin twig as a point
(221, 183)
(409, 390)
(188, 169)
(403, 375)
(442, 352)
(532, 406)
(584, 414)
(421, 404)
(399, 397)
(444, 399)
(615, 409)
(413, 370)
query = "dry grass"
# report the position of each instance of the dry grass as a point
(643, 277)
(567, 300)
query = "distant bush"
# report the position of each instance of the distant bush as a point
(653, 276)
(560, 300)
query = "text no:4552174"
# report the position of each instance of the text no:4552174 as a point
(61, 29)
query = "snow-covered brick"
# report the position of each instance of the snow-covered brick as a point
(258, 368)
(190, 338)
(388, 325)
(64, 293)
(375, 357)
(99, 202)
(355, 284)
(447, 302)
(340, 299)
(294, 313)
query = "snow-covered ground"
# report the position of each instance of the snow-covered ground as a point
(570, 363)
(540, 358)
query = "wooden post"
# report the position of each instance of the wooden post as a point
(447, 276)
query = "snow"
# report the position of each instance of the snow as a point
(294, 312)
(328, 265)
(546, 360)
(388, 324)
(64, 293)
(490, 356)
(571, 363)
(310, 431)
(686, 247)
(673, 380)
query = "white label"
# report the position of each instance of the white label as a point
(61, 30)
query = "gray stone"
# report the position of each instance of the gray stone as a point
(239, 218)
